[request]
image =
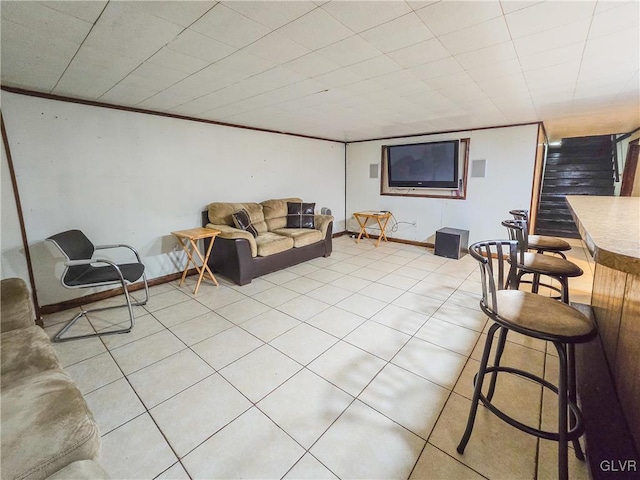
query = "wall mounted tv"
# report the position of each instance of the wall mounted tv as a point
(424, 165)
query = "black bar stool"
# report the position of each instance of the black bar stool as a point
(538, 264)
(542, 243)
(534, 316)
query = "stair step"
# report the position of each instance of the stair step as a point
(578, 182)
(578, 173)
(581, 190)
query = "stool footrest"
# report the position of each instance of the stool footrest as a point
(572, 434)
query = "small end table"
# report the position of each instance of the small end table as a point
(382, 218)
(189, 243)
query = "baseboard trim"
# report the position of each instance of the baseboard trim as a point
(95, 297)
(395, 240)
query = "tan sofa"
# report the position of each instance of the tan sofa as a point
(240, 257)
(47, 428)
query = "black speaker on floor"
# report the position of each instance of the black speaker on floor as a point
(452, 243)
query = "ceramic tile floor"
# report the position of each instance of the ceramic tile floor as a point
(359, 365)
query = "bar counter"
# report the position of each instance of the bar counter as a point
(610, 227)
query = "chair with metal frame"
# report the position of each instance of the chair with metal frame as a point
(542, 243)
(538, 264)
(84, 271)
(538, 317)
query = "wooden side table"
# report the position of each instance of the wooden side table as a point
(382, 218)
(189, 242)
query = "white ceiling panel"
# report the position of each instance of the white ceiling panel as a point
(227, 26)
(362, 15)
(447, 17)
(547, 15)
(399, 33)
(315, 30)
(344, 70)
(474, 38)
(182, 13)
(271, 14)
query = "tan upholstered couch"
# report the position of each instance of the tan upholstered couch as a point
(47, 428)
(239, 256)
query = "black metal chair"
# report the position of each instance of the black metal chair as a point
(534, 316)
(542, 243)
(84, 271)
(538, 264)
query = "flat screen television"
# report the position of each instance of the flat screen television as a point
(425, 165)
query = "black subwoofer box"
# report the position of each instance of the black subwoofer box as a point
(452, 242)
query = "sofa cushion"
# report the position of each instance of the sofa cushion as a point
(220, 212)
(81, 469)
(256, 215)
(25, 352)
(269, 243)
(275, 212)
(301, 236)
(46, 425)
(243, 222)
(16, 305)
(300, 215)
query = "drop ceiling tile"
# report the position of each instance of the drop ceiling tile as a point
(276, 48)
(181, 13)
(311, 65)
(513, 85)
(243, 62)
(272, 14)
(166, 57)
(399, 33)
(545, 16)
(349, 51)
(38, 17)
(315, 30)
(616, 19)
(502, 52)
(362, 15)
(509, 6)
(460, 94)
(619, 46)
(561, 75)
(495, 70)
(452, 79)
(447, 17)
(339, 78)
(153, 77)
(200, 46)
(223, 24)
(375, 67)
(575, 32)
(445, 66)
(128, 95)
(418, 4)
(93, 72)
(276, 78)
(32, 60)
(423, 52)
(124, 30)
(479, 36)
(87, 11)
(553, 57)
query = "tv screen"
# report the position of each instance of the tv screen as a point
(426, 165)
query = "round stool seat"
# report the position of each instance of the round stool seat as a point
(548, 244)
(544, 317)
(549, 265)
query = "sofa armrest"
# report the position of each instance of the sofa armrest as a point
(16, 309)
(81, 469)
(322, 223)
(232, 233)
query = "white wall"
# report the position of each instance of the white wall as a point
(510, 155)
(13, 260)
(124, 177)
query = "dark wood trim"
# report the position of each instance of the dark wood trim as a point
(93, 103)
(444, 131)
(630, 167)
(23, 231)
(536, 181)
(95, 297)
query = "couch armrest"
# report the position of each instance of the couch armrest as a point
(232, 233)
(81, 469)
(322, 223)
(15, 304)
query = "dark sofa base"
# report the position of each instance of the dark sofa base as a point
(232, 258)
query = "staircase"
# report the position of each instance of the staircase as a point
(580, 166)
